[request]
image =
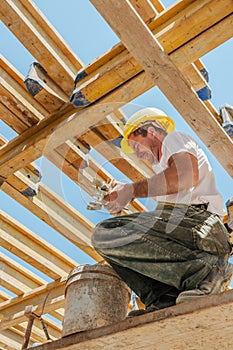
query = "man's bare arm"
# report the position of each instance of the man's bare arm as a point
(182, 173)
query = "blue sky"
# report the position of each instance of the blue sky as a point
(89, 37)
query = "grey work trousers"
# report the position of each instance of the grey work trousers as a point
(163, 252)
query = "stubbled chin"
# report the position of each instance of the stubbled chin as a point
(149, 158)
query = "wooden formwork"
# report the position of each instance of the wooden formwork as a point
(163, 48)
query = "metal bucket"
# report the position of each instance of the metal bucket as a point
(95, 296)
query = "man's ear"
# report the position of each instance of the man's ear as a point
(151, 130)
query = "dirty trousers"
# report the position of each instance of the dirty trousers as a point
(162, 252)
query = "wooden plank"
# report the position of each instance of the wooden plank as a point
(14, 80)
(12, 120)
(39, 244)
(52, 209)
(50, 97)
(95, 85)
(194, 77)
(53, 34)
(40, 38)
(30, 183)
(19, 249)
(165, 29)
(73, 155)
(37, 334)
(205, 42)
(149, 53)
(158, 5)
(16, 106)
(11, 283)
(54, 329)
(24, 275)
(41, 86)
(29, 110)
(197, 15)
(119, 48)
(145, 9)
(70, 130)
(33, 141)
(214, 112)
(11, 340)
(3, 140)
(33, 249)
(4, 296)
(103, 131)
(183, 326)
(53, 293)
(57, 314)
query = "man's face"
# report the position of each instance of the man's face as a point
(145, 148)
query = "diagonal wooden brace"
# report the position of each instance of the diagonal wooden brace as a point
(31, 316)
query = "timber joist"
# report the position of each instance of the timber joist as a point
(163, 49)
(66, 111)
(44, 299)
(41, 40)
(99, 134)
(69, 157)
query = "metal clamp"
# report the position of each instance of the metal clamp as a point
(101, 191)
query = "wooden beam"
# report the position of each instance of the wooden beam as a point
(52, 209)
(205, 42)
(186, 20)
(27, 278)
(70, 128)
(183, 325)
(39, 84)
(11, 119)
(57, 314)
(105, 130)
(11, 283)
(4, 296)
(33, 249)
(158, 5)
(16, 98)
(18, 278)
(11, 340)
(3, 140)
(165, 30)
(35, 32)
(145, 9)
(44, 300)
(145, 48)
(37, 334)
(32, 142)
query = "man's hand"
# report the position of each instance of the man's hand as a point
(119, 195)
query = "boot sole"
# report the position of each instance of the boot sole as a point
(225, 284)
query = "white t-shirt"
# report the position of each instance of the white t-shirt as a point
(205, 191)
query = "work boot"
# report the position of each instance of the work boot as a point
(164, 301)
(216, 282)
(142, 311)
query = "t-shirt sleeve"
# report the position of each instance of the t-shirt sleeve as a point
(177, 142)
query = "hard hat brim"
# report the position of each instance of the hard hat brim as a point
(125, 146)
(166, 123)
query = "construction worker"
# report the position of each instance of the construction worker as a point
(180, 250)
